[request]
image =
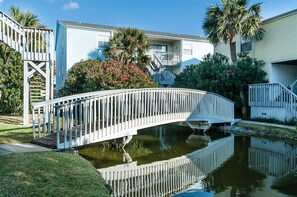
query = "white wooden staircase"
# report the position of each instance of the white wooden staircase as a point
(274, 95)
(37, 49)
(160, 73)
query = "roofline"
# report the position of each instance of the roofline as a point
(113, 28)
(280, 16)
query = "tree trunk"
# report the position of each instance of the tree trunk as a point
(233, 50)
(244, 103)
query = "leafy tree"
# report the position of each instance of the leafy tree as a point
(129, 46)
(11, 67)
(187, 78)
(215, 74)
(93, 75)
(11, 80)
(248, 71)
(26, 19)
(224, 22)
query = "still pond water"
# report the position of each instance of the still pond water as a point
(171, 160)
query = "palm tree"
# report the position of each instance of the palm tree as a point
(224, 22)
(26, 19)
(129, 45)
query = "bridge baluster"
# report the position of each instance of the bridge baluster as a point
(38, 122)
(58, 126)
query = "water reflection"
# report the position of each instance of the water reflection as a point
(259, 167)
(278, 161)
(174, 161)
(153, 144)
(168, 176)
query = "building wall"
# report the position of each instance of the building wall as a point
(199, 50)
(284, 74)
(270, 112)
(82, 44)
(61, 57)
(279, 43)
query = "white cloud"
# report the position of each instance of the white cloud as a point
(71, 5)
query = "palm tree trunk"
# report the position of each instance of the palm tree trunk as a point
(233, 50)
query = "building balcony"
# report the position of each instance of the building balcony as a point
(168, 58)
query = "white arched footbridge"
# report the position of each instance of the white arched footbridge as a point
(99, 116)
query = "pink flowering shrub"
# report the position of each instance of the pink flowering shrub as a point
(93, 75)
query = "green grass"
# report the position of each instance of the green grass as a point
(11, 130)
(264, 128)
(49, 174)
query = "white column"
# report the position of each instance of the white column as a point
(26, 95)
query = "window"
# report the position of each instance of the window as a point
(246, 45)
(102, 44)
(103, 38)
(157, 47)
(188, 49)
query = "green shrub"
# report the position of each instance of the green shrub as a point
(216, 74)
(93, 75)
(11, 81)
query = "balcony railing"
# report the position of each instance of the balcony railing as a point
(168, 58)
(33, 44)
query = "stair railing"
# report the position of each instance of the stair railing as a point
(11, 32)
(150, 68)
(32, 43)
(157, 61)
(272, 95)
(168, 58)
(293, 87)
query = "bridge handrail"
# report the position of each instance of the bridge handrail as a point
(75, 97)
(126, 110)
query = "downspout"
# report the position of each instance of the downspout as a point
(181, 55)
(253, 51)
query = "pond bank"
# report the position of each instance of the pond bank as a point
(49, 174)
(261, 130)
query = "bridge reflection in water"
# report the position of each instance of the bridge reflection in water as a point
(165, 177)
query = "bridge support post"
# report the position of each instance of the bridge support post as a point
(126, 140)
(36, 67)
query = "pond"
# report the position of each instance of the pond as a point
(172, 160)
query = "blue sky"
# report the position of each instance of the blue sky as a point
(177, 16)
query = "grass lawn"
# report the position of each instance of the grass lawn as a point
(11, 130)
(49, 174)
(263, 128)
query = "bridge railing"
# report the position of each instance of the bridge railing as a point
(165, 177)
(104, 115)
(34, 44)
(44, 113)
(272, 163)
